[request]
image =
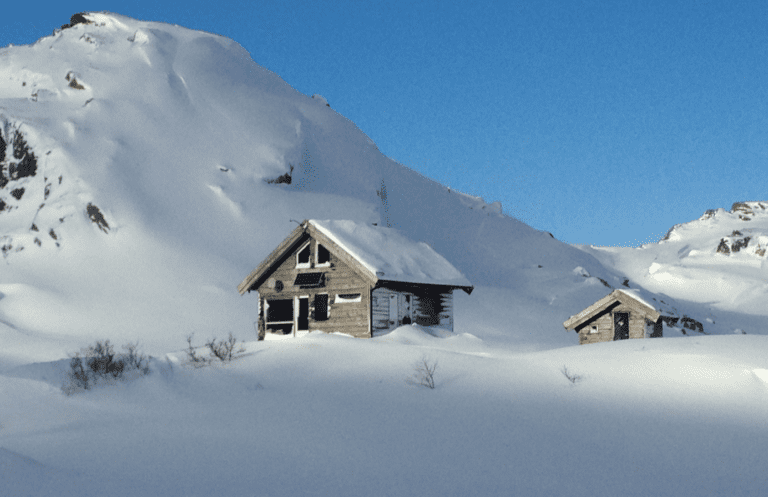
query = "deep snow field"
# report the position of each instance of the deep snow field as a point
(177, 137)
(333, 415)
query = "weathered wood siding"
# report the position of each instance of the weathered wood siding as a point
(605, 324)
(423, 305)
(348, 317)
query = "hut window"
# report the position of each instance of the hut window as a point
(321, 307)
(593, 329)
(279, 316)
(323, 256)
(345, 298)
(280, 310)
(302, 258)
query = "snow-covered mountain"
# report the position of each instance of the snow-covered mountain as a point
(148, 168)
(714, 266)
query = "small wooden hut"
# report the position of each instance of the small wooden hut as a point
(353, 278)
(621, 315)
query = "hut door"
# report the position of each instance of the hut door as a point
(620, 325)
(302, 316)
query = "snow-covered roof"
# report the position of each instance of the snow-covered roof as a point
(390, 255)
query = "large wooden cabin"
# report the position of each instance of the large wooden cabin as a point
(353, 278)
(617, 316)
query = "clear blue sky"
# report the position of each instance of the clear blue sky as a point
(601, 122)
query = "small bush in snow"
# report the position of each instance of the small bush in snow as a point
(572, 377)
(424, 373)
(194, 359)
(223, 349)
(99, 363)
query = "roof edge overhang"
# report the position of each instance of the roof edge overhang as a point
(382, 282)
(607, 301)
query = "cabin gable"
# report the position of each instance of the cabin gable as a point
(617, 316)
(312, 288)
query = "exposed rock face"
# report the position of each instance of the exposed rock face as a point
(746, 210)
(20, 164)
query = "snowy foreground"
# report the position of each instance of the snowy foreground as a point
(333, 415)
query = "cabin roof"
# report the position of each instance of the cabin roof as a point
(629, 297)
(379, 254)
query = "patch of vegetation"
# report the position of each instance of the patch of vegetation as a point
(424, 373)
(99, 363)
(570, 375)
(223, 350)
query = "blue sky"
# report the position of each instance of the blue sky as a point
(602, 122)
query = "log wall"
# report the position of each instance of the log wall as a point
(605, 324)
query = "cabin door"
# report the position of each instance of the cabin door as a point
(302, 316)
(620, 325)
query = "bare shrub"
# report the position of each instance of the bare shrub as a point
(572, 377)
(194, 359)
(77, 378)
(424, 373)
(134, 359)
(99, 362)
(223, 349)
(100, 359)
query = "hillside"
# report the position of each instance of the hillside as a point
(167, 164)
(714, 266)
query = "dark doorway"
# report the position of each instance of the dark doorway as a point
(303, 319)
(620, 325)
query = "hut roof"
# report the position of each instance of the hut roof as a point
(381, 254)
(628, 297)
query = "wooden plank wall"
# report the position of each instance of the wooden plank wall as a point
(604, 322)
(422, 305)
(348, 317)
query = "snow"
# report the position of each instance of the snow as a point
(389, 255)
(173, 137)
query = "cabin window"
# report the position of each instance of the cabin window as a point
(346, 298)
(593, 329)
(302, 257)
(279, 316)
(323, 256)
(321, 307)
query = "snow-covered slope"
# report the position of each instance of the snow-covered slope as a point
(714, 266)
(162, 159)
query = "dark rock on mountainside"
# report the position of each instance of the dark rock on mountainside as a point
(78, 18)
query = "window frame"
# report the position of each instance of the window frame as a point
(317, 256)
(308, 264)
